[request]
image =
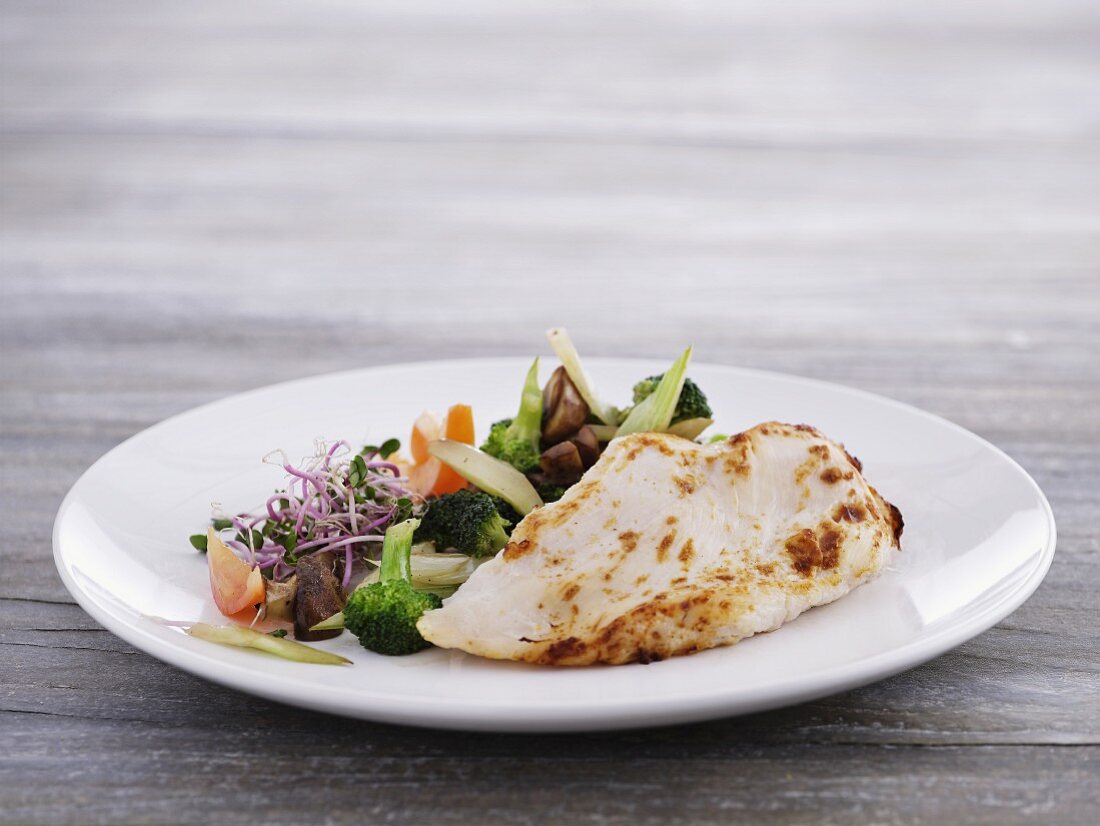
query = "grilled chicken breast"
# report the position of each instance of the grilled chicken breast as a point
(667, 547)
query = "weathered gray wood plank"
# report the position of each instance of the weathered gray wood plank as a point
(201, 198)
(687, 775)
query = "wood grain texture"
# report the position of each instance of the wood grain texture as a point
(202, 198)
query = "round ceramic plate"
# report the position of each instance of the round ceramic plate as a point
(979, 537)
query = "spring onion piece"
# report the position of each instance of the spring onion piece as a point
(571, 361)
(336, 621)
(491, 475)
(529, 417)
(397, 550)
(690, 428)
(654, 413)
(242, 637)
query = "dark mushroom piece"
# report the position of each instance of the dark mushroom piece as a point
(564, 412)
(561, 464)
(588, 446)
(319, 596)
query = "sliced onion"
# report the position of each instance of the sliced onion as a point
(571, 361)
(493, 476)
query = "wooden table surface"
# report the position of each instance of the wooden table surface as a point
(204, 197)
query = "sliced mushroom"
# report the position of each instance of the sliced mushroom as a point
(319, 596)
(564, 412)
(561, 464)
(279, 599)
(588, 446)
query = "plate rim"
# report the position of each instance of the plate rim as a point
(597, 713)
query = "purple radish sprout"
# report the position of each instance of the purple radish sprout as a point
(324, 511)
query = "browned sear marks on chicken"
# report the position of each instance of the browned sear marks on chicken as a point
(685, 484)
(896, 522)
(629, 541)
(804, 470)
(567, 649)
(664, 545)
(644, 441)
(808, 551)
(829, 542)
(514, 550)
(687, 552)
(612, 644)
(849, 512)
(832, 475)
(736, 462)
(804, 551)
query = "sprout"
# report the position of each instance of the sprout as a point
(336, 501)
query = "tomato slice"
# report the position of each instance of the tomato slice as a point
(236, 585)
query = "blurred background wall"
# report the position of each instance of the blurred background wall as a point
(206, 196)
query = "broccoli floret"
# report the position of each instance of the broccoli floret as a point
(506, 511)
(383, 614)
(516, 440)
(692, 403)
(551, 493)
(466, 520)
(520, 453)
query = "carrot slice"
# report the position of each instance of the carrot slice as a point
(458, 427)
(448, 481)
(433, 478)
(429, 476)
(460, 424)
(426, 429)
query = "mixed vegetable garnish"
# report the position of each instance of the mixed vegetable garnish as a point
(370, 539)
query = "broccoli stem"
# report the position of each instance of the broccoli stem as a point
(527, 425)
(397, 551)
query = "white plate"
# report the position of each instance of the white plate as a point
(979, 537)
